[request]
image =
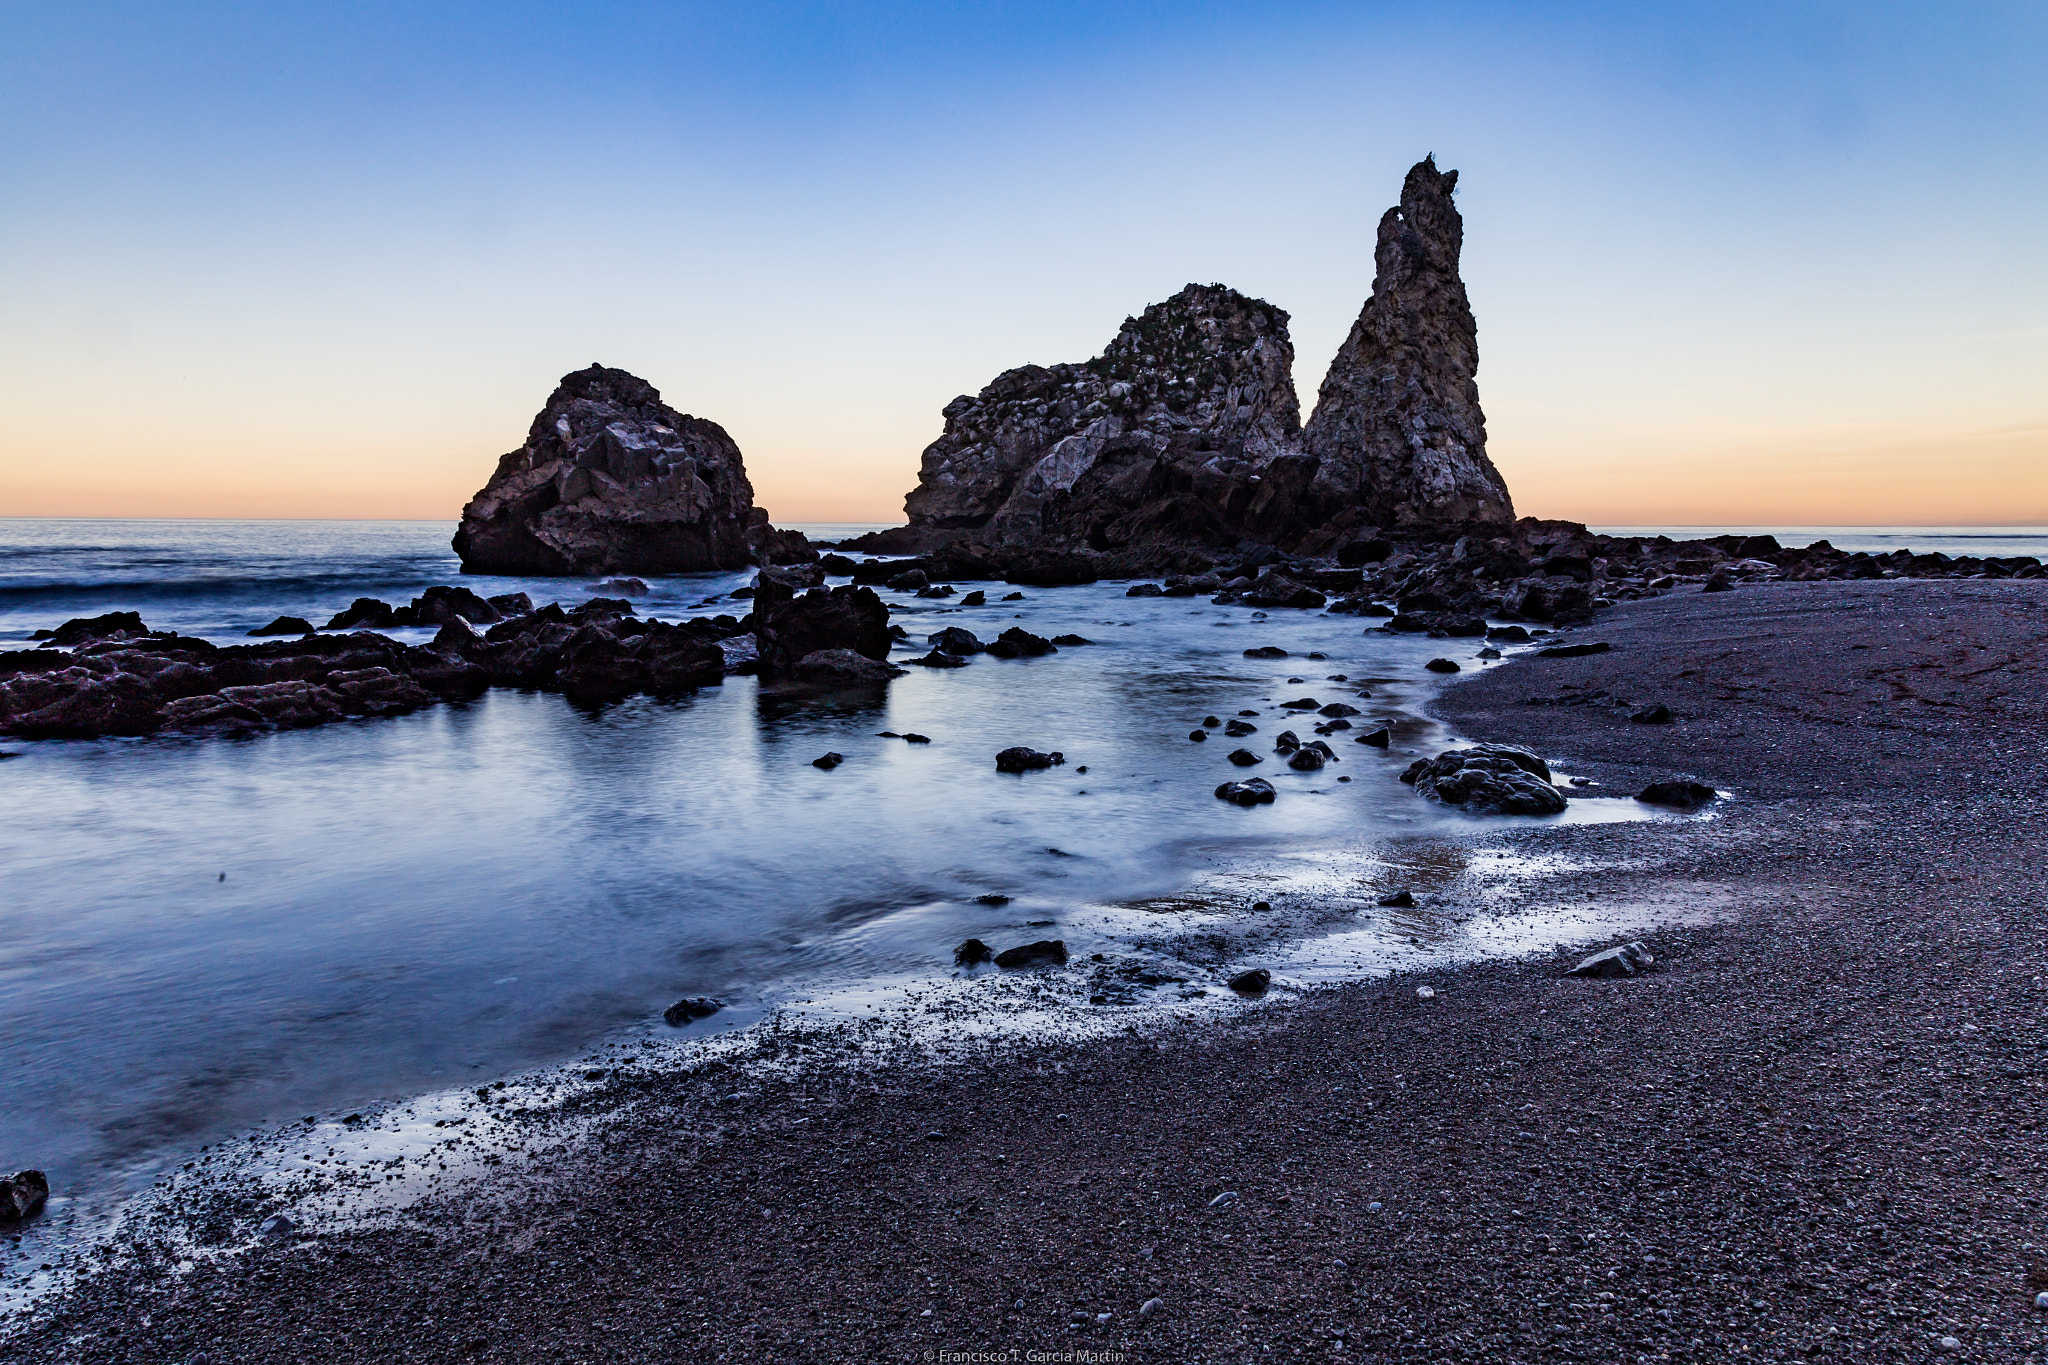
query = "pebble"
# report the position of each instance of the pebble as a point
(1150, 1306)
(2041, 1300)
(1948, 1346)
(1374, 1207)
(1224, 1200)
(1425, 993)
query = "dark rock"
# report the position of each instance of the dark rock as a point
(1301, 704)
(1244, 758)
(1019, 643)
(1018, 759)
(1513, 635)
(1719, 582)
(1627, 960)
(1212, 721)
(505, 603)
(1265, 652)
(1360, 552)
(1048, 952)
(938, 659)
(1013, 597)
(828, 761)
(78, 630)
(1286, 742)
(791, 627)
(973, 951)
(842, 668)
(366, 611)
(1069, 641)
(1255, 792)
(954, 640)
(977, 598)
(1379, 738)
(908, 582)
(1277, 590)
(1658, 714)
(1539, 599)
(1198, 736)
(1678, 793)
(1306, 761)
(1338, 708)
(286, 625)
(1573, 651)
(1252, 982)
(1239, 727)
(438, 606)
(795, 577)
(1049, 569)
(1403, 899)
(612, 480)
(936, 590)
(626, 587)
(1442, 666)
(21, 1194)
(992, 898)
(836, 565)
(689, 1011)
(912, 737)
(1499, 778)
(1144, 590)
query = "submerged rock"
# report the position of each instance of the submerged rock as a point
(1019, 643)
(974, 952)
(688, 1011)
(1019, 759)
(1255, 791)
(1504, 779)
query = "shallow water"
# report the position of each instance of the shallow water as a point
(202, 934)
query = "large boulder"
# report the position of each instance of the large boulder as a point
(789, 627)
(1501, 779)
(611, 480)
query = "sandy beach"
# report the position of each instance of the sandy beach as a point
(1811, 1132)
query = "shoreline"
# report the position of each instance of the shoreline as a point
(1690, 1154)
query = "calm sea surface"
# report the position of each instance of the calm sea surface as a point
(201, 934)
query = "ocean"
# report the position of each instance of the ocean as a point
(204, 935)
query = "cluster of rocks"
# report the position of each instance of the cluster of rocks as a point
(112, 675)
(1185, 434)
(1498, 779)
(1046, 952)
(611, 480)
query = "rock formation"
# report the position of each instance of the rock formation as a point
(612, 480)
(1185, 432)
(792, 628)
(1397, 434)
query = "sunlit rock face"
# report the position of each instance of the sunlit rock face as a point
(613, 480)
(1397, 432)
(1186, 432)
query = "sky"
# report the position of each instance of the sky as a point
(1732, 263)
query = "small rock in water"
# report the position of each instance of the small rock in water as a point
(1442, 666)
(912, 737)
(1379, 738)
(1261, 907)
(1286, 742)
(1266, 652)
(1626, 960)
(1072, 640)
(1257, 792)
(1212, 721)
(1301, 704)
(1046, 952)
(1018, 759)
(1013, 597)
(685, 1011)
(21, 1194)
(1244, 758)
(1306, 761)
(1239, 727)
(1253, 982)
(939, 659)
(1338, 708)
(973, 951)
(1400, 900)
(992, 898)
(286, 625)
(1198, 736)
(828, 761)
(1489, 653)
(1677, 793)
(977, 598)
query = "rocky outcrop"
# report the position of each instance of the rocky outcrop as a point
(161, 682)
(1397, 436)
(1154, 440)
(790, 628)
(1184, 435)
(1503, 779)
(612, 480)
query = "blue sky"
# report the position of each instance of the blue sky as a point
(1731, 263)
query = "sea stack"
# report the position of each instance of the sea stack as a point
(1397, 435)
(612, 480)
(1185, 434)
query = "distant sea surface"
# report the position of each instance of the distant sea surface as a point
(201, 934)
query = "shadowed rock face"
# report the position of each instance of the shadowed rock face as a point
(1185, 431)
(1153, 439)
(1397, 431)
(613, 480)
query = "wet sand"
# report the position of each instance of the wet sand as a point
(1813, 1130)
